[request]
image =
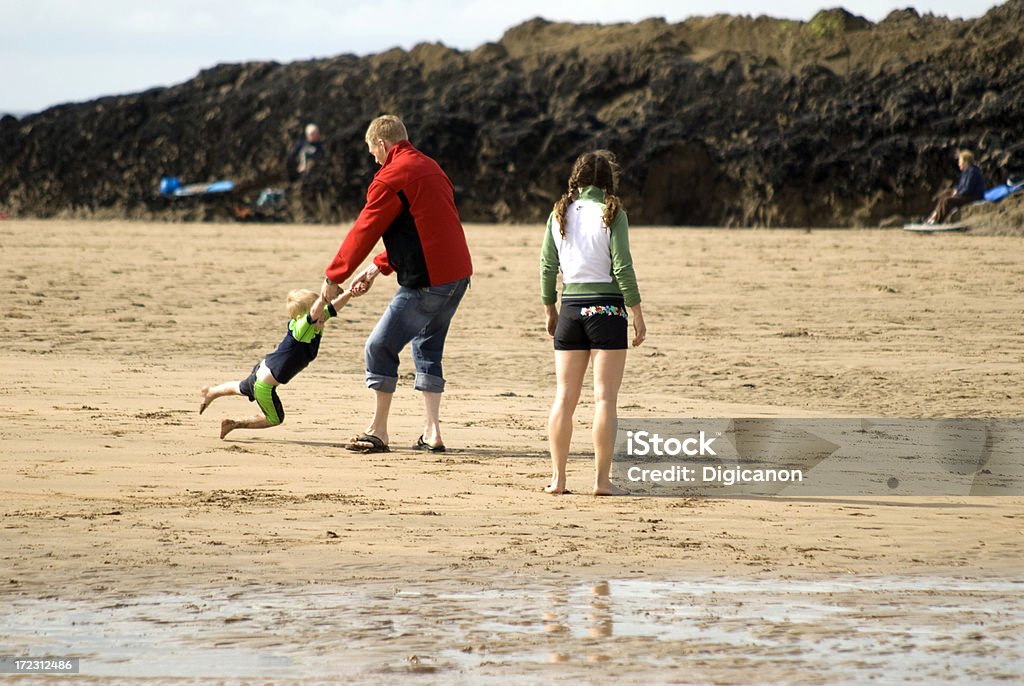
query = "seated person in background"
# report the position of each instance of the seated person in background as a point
(306, 151)
(970, 188)
(270, 203)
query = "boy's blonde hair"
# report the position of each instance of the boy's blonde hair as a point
(966, 156)
(387, 128)
(299, 301)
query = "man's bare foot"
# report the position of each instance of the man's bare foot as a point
(206, 399)
(227, 426)
(610, 489)
(556, 488)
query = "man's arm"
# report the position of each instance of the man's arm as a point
(383, 264)
(381, 209)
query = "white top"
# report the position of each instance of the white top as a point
(584, 255)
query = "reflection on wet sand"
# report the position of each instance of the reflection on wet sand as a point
(599, 623)
(723, 630)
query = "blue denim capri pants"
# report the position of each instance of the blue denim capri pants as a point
(420, 316)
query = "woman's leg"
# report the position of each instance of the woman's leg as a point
(609, 366)
(570, 367)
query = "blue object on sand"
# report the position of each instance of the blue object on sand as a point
(220, 186)
(170, 186)
(997, 193)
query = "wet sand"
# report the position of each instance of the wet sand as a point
(699, 630)
(117, 489)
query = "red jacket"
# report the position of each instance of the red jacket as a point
(411, 205)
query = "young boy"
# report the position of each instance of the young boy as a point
(298, 348)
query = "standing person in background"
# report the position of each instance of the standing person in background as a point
(587, 239)
(969, 188)
(411, 205)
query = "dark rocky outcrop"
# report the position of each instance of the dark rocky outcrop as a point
(717, 121)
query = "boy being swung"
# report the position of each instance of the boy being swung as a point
(297, 349)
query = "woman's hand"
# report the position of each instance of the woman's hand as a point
(552, 315)
(639, 328)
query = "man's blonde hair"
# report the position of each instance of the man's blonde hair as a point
(299, 301)
(387, 128)
(966, 156)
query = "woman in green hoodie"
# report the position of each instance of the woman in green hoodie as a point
(587, 240)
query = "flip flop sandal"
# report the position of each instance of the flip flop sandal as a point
(365, 443)
(423, 445)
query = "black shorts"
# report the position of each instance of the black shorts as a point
(271, 407)
(592, 325)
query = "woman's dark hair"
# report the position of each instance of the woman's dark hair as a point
(597, 168)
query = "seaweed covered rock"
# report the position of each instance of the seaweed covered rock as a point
(717, 120)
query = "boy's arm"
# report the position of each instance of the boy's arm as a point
(341, 301)
(329, 309)
(332, 307)
(304, 329)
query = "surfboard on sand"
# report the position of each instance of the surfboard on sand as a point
(935, 228)
(204, 188)
(171, 187)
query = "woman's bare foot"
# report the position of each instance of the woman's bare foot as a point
(610, 489)
(556, 487)
(206, 399)
(227, 426)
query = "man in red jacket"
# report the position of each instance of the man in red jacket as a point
(411, 206)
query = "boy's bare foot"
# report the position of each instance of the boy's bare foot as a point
(556, 488)
(610, 489)
(206, 399)
(227, 426)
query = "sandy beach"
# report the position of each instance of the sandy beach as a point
(117, 491)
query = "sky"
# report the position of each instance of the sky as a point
(59, 51)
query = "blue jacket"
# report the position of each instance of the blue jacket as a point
(971, 184)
